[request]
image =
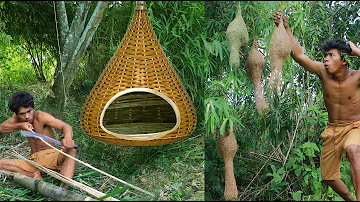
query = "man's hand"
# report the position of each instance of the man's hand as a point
(26, 126)
(277, 16)
(67, 144)
(355, 50)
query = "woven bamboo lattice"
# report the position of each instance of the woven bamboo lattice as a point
(139, 99)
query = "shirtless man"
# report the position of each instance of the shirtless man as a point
(341, 92)
(25, 118)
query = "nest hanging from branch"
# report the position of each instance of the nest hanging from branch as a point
(139, 99)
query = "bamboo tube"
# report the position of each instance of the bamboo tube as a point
(46, 189)
(67, 180)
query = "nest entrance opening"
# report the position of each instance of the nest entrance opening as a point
(140, 114)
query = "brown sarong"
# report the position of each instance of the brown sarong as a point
(336, 137)
(47, 158)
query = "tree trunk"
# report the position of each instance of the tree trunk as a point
(46, 189)
(74, 41)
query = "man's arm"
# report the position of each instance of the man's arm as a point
(355, 50)
(12, 125)
(297, 53)
(48, 119)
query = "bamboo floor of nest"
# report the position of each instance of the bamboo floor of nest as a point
(139, 128)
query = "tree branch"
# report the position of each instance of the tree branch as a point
(76, 28)
(90, 29)
(62, 20)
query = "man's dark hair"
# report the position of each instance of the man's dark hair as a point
(339, 44)
(20, 99)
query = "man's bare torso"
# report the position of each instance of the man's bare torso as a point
(35, 143)
(342, 99)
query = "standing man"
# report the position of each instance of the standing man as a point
(341, 92)
(25, 118)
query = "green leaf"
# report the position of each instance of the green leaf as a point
(117, 190)
(277, 177)
(223, 127)
(296, 195)
(306, 179)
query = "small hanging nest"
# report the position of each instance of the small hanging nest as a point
(139, 99)
(254, 66)
(238, 36)
(279, 50)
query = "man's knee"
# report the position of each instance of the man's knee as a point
(353, 153)
(72, 152)
(329, 182)
(4, 162)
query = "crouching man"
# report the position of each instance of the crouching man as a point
(26, 118)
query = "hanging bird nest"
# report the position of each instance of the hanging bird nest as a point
(139, 99)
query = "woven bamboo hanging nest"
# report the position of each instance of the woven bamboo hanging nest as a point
(139, 99)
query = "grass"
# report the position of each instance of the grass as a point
(171, 172)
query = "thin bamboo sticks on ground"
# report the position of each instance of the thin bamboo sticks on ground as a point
(100, 171)
(46, 189)
(66, 180)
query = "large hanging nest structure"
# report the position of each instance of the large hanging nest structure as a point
(139, 99)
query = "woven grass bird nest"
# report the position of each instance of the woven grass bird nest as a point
(139, 99)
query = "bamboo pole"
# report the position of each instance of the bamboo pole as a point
(100, 171)
(67, 180)
(47, 189)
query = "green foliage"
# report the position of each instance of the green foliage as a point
(112, 28)
(30, 24)
(117, 190)
(15, 68)
(300, 178)
(32, 21)
(178, 26)
(218, 114)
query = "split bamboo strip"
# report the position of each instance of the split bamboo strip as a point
(67, 180)
(100, 171)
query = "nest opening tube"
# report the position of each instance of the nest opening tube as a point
(140, 114)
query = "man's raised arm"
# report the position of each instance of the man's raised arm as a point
(296, 52)
(355, 50)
